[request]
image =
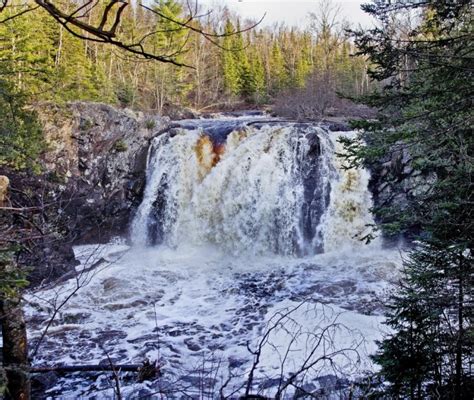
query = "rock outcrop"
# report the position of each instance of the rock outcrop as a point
(99, 152)
(394, 185)
(92, 180)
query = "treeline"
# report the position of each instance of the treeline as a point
(42, 59)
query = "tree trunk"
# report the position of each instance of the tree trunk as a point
(15, 344)
(15, 348)
(459, 371)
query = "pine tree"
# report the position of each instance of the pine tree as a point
(418, 359)
(27, 51)
(302, 70)
(246, 79)
(48, 63)
(21, 138)
(229, 64)
(258, 74)
(278, 70)
(426, 115)
(75, 76)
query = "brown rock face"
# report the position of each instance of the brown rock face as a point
(99, 153)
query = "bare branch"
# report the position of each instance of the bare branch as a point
(3, 5)
(110, 19)
(19, 14)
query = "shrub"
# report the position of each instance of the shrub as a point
(120, 146)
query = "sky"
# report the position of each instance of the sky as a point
(291, 12)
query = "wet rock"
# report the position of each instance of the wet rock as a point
(270, 383)
(40, 383)
(76, 318)
(173, 349)
(236, 362)
(178, 112)
(123, 306)
(338, 126)
(304, 390)
(191, 345)
(316, 192)
(109, 337)
(394, 183)
(110, 284)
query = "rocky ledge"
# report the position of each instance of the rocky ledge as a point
(92, 180)
(100, 152)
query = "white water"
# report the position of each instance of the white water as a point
(348, 219)
(227, 266)
(250, 200)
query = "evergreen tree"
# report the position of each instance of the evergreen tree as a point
(246, 79)
(75, 77)
(258, 74)
(48, 63)
(420, 358)
(278, 69)
(27, 52)
(344, 70)
(229, 63)
(426, 118)
(21, 138)
(302, 70)
(171, 38)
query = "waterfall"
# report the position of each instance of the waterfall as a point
(347, 222)
(258, 188)
(229, 235)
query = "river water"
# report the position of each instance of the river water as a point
(250, 244)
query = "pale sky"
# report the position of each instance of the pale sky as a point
(291, 12)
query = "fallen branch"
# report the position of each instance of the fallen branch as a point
(86, 368)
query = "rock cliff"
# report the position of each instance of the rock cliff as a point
(92, 179)
(99, 152)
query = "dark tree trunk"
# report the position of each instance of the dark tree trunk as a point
(15, 348)
(459, 342)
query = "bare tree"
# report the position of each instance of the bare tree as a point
(93, 264)
(329, 29)
(319, 348)
(32, 230)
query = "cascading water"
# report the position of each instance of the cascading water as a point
(241, 220)
(264, 188)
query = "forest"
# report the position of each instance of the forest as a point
(231, 63)
(197, 205)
